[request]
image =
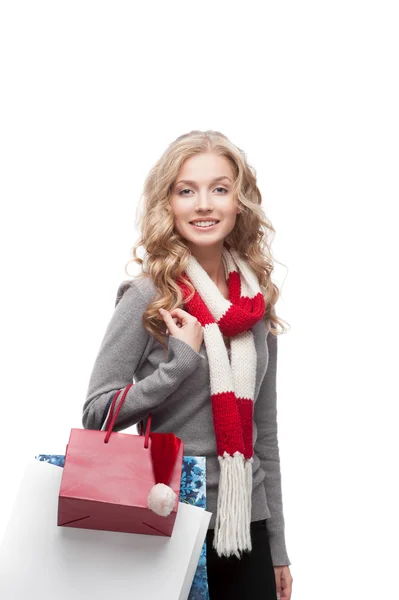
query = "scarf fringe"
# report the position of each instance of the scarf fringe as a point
(233, 517)
(248, 488)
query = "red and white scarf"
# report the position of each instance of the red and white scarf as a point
(232, 387)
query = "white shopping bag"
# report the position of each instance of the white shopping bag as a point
(41, 561)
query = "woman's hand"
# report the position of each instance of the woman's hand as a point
(283, 582)
(184, 326)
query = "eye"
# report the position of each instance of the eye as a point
(188, 190)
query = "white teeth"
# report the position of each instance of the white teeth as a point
(204, 223)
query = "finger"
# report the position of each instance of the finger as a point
(176, 321)
(183, 315)
(168, 320)
(286, 592)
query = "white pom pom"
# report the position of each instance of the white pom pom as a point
(161, 499)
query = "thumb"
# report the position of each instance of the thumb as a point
(172, 327)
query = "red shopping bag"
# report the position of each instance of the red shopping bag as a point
(108, 477)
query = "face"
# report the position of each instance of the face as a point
(203, 191)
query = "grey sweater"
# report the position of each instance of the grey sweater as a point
(176, 390)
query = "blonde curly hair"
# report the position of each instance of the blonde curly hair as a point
(166, 253)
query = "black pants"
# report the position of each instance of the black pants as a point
(250, 577)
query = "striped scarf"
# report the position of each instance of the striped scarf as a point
(232, 387)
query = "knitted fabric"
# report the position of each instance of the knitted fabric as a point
(232, 387)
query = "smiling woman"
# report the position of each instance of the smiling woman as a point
(212, 380)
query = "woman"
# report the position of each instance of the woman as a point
(197, 330)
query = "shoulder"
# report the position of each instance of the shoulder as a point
(142, 287)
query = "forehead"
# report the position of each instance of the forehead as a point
(205, 167)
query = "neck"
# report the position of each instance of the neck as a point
(211, 261)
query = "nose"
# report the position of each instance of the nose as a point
(203, 203)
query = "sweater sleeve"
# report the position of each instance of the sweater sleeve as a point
(124, 342)
(267, 449)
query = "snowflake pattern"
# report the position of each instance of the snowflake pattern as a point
(192, 491)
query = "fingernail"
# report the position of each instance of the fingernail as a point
(161, 310)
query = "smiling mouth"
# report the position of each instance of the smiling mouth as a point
(204, 226)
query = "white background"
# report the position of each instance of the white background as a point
(91, 95)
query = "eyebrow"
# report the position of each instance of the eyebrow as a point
(190, 182)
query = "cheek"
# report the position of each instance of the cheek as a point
(179, 217)
(230, 217)
(178, 210)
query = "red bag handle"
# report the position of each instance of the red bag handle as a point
(111, 410)
(147, 431)
(112, 417)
